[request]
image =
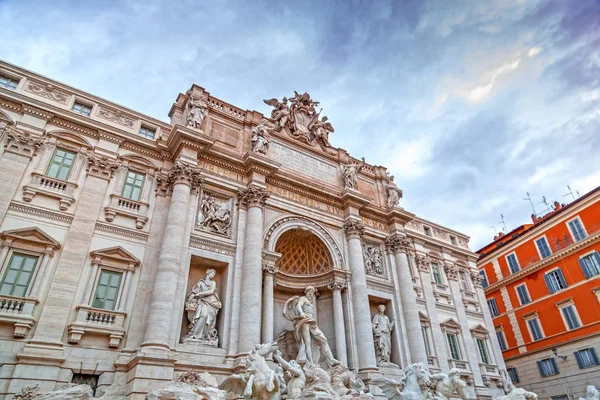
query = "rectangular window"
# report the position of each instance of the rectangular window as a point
(61, 164)
(147, 132)
(82, 109)
(555, 280)
(133, 185)
(483, 352)
(514, 376)
(18, 275)
(590, 264)
(107, 290)
(543, 247)
(437, 275)
(570, 317)
(484, 283)
(453, 240)
(464, 280)
(501, 340)
(513, 264)
(427, 230)
(587, 358)
(535, 329)
(548, 367)
(426, 340)
(453, 344)
(7, 82)
(523, 294)
(493, 307)
(577, 229)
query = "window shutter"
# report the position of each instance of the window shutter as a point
(554, 365)
(595, 355)
(549, 283)
(578, 358)
(584, 268)
(541, 368)
(517, 380)
(561, 277)
(597, 257)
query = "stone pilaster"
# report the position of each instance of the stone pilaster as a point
(336, 288)
(253, 199)
(360, 300)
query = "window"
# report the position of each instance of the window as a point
(61, 164)
(425, 333)
(493, 307)
(535, 330)
(17, 277)
(514, 376)
(548, 367)
(453, 240)
(513, 264)
(7, 82)
(543, 248)
(427, 230)
(587, 358)
(82, 109)
(437, 274)
(483, 351)
(453, 344)
(523, 294)
(577, 230)
(107, 290)
(590, 264)
(133, 185)
(484, 282)
(147, 132)
(86, 379)
(555, 280)
(464, 280)
(501, 340)
(570, 317)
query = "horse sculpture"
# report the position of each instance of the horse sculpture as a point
(409, 387)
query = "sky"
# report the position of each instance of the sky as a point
(470, 104)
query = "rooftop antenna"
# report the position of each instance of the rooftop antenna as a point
(502, 221)
(530, 202)
(570, 193)
(544, 201)
(495, 231)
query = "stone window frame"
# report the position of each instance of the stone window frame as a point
(510, 271)
(14, 77)
(538, 248)
(77, 101)
(481, 332)
(428, 336)
(524, 284)
(500, 330)
(453, 327)
(568, 222)
(569, 303)
(147, 125)
(585, 255)
(529, 317)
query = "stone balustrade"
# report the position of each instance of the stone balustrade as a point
(19, 312)
(103, 322)
(51, 187)
(120, 205)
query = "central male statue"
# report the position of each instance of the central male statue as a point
(312, 342)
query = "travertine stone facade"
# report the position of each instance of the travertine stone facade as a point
(100, 211)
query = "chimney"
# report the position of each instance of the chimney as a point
(556, 205)
(534, 218)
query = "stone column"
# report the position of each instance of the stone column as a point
(267, 321)
(400, 246)
(183, 178)
(338, 321)
(253, 198)
(360, 299)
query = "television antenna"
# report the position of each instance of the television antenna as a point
(544, 201)
(530, 202)
(502, 222)
(495, 231)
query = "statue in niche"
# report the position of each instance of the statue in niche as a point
(373, 261)
(213, 216)
(312, 342)
(260, 137)
(448, 385)
(350, 174)
(202, 305)
(197, 111)
(394, 194)
(382, 331)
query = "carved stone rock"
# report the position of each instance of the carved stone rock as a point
(184, 391)
(77, 392)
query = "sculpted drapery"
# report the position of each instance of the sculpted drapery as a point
(203, 305)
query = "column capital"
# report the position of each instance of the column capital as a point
(423, 263)
(451, 270)
(21, 142)
(399, 244)
(353, 227)
(100, 166)
(163, 188)
(270, 269)
(477, 279)
(337, 285)
(253, 196)
(186, 174)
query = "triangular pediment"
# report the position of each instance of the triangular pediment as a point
(31, 235)
(423, 317)
(116, 253)
(451, 323)
(480, 329)
(135, 159)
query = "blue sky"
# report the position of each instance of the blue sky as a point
(470, 104)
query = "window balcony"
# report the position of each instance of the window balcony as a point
(462, 366)
(51, 187)
(98, 321)
(120, 205)
(432, 361)
(19, 312)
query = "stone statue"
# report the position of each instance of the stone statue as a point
(297, 377)
(373, 261)
(202, 306)
(382, 331)
(350, 174)
(591, 394)
(281, 113)
(312, 342)
(346, 383)
(409, 388)
(322, 128)
(260, 138)
(394, 194)
(446, 386)
(513, 392)
(197, 111)
(213, 216)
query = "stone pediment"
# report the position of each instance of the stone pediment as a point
(116, 255)
(135, 159)
(31, 235)
(423, 317)
(480, 329)
(451, 323)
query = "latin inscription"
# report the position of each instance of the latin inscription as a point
(374, 224)
(298, 198)
(225, 173)
(304, 163)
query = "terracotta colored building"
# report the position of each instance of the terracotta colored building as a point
(542, 284)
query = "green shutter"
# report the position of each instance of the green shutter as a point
(61, 164)
(18, 275)
(107, 290)
(134, 183)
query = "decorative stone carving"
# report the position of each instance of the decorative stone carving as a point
(20, 142)
(337, 285)
(77, 392)
(297, 377)
(189, 388)
(197, 112)
(185, 174)
(423, 263)
(591, 393)
(100, 166)
(163, 187)
(270, 269)
(203, 379)
(202, 305)
(350, 174)
(281, 113)
(28, 393)
(373, 261)
(260, 137)
(382, 332)
(253, 196)
(213, 216)
(394, 194)
(409, 387)
(354, 227)
(444, 386)
(48, 91)
(116, 116)
(515, 393)
(312, 341)
(451, 271)
(477, 279)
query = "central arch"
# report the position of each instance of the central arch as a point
(302, 253)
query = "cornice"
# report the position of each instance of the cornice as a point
(202, 243)
(37, 112)
(74, 126)
(180, 137)
(116, 230)
(40, 212)
(11, 105)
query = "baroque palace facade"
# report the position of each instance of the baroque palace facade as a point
(134, 250)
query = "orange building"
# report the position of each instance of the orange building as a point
(542, 284)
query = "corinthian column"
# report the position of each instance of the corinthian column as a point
(267, 321)
(183, 178)
(253, 198)
(360, 299)
(400, 246)
(336, 288)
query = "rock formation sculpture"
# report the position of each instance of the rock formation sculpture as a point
(202, 306)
